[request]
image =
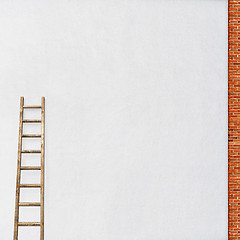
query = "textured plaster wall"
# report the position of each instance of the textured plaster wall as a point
(136, 116)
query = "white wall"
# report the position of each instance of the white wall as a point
(136, 115)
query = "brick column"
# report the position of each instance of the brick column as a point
(234, 119)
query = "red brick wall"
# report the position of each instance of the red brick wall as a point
(234, 119)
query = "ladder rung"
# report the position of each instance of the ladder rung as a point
(31, 135)
(31, 121)
(32, 106)
(29, 204)
(31, 151)
(29, 224)
(30, 168)
(30, 185)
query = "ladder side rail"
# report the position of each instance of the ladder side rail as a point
(42, 168)
(18, 170)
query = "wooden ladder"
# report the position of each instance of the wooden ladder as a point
(20, 168)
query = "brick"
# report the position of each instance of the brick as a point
(234, 119)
